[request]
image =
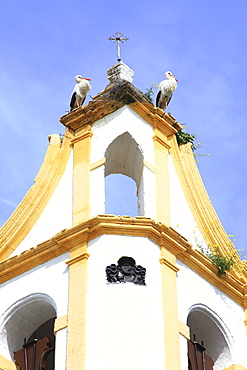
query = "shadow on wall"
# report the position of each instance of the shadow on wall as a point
(34, 314)
(206, 327)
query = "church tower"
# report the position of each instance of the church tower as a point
(104, 291)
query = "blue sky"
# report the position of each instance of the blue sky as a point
(45, 43)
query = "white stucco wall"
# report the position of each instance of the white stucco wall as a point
(56, 216)
(104, 132)
(181, 217)
(117, 123)
(194, 291)
(49, 279)
(124, 321)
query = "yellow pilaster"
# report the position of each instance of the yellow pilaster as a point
(81, 201)
(162, 184)
(6, 364)
(76, 342)
(171, 323)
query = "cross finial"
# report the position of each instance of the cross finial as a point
(118, 37)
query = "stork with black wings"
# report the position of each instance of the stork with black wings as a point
(80, 91)
(166, 89)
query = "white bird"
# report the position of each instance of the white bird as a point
(80, 92)
(166, 89)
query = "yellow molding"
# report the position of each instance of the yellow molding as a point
(170, 309)
(60, 323)
(76, 343)
(162, 142)
(78, 258)
(81, 176)
(169, 264)
(162, 179)
(162, 235)
(149, 166)
(184, 330)
(97, 164)
(86, 134)
(200, 204)
(29, 210)
(164, 122)
(7, 364)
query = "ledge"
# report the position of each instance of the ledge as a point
(159, 233)
(115, 96)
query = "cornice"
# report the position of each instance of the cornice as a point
(114, 97)
(160, 234)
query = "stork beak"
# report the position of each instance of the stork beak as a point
(88, 79)
(176, 79)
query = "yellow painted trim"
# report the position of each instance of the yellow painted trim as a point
(164, 122)
(170, 308)
(78, 258)
(149, 166)
(97, 164)
(86, 133)
(76, 343)
(60, 323)
(235, 367)
(29, 210)
(72, 239)
(184, 330)
(162, 177)
(201, 206)
(169, 264)
(81, 191)
(162, 142)
(7, 364)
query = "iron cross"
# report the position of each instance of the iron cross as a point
(118, 37)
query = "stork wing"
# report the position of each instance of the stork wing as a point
(72, 101)
(158, 98)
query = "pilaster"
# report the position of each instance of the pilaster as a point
(162, 184)
(171, 323)
(81, 193)
(76, 341)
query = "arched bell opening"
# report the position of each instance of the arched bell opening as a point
(208, 330)
(123, 177)
(31, 316)
(120, 195)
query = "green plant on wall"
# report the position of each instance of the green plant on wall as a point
(149, 93)
(223, 263)
(184, 137)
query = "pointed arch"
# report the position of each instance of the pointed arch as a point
(207, 327)
(124, 156)
(21, 320)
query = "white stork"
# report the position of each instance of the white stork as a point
(166, 89)
(80, 92)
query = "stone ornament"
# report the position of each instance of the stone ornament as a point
(126, 271)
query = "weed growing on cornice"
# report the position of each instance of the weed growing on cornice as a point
(184, 137)
(149, 93)
(223, 263)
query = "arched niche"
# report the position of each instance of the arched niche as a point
(22, 319)
(207, 327)
(124, 157)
